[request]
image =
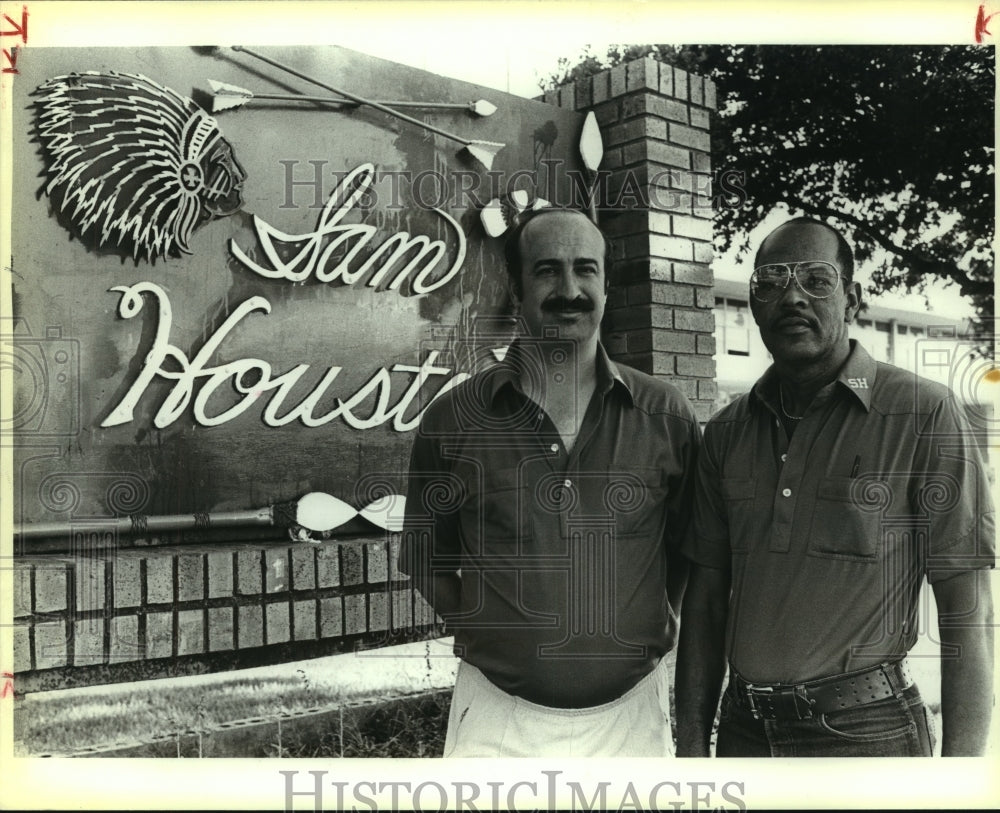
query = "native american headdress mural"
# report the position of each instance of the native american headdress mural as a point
(133, 165)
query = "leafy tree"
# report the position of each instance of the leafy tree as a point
(894, 143)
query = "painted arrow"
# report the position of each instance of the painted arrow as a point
(482, 151)
(229, 97)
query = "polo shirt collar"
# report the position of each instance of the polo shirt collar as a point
(857, 376)
(506, 372)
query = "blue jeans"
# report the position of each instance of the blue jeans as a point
(894, 727)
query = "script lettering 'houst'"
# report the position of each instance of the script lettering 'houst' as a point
(317, 256)
(252, 378)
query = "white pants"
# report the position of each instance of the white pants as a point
(485, 721)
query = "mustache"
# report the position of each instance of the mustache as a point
(796, 315)
(562, 303)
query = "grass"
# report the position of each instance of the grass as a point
(62, 725)
(399, 729)
(64, 722)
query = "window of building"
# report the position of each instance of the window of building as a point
(878, 342)
(732, 326)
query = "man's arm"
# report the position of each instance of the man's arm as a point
(701, 660)
(429, 547)
(678, 567)
(965, 622)
(681, 502)
(960, 555)
(443, 591)
(419, 557)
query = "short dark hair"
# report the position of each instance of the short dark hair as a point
(845, 254)
(512, 246)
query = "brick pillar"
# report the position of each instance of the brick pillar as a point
(657, 209)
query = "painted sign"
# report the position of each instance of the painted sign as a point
(237, 310)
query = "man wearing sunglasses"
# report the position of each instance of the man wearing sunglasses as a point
(824, 497)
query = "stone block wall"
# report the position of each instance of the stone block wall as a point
(146, 611)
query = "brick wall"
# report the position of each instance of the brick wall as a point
(152, 611)
(655, 204)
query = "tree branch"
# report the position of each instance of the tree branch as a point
(967, 286)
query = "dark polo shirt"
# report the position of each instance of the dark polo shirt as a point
(562, 555)
(830, 534)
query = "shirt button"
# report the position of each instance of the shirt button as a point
(784, 457)
(786, 492)
(554, 448)
(567, 483)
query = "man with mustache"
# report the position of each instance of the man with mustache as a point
(546, 502)
(824, 497)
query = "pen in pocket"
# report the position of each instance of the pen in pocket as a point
(854, 468)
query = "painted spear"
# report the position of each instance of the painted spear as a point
(315, 511)
(229, 97)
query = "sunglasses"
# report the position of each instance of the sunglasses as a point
(815, 278)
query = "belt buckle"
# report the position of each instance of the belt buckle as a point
(799, 693)
(754, 709)
(895, 676)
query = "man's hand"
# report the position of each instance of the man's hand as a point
(701, 659)
(965, 622)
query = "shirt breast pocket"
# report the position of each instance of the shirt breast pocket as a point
(636, 499)
(843, 526)
(738, 495)
(497, 508)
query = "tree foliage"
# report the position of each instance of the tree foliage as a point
(893, 143)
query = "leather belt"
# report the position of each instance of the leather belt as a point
(801, 701)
